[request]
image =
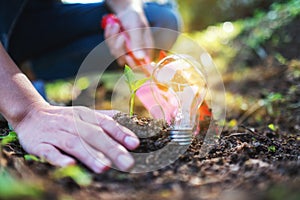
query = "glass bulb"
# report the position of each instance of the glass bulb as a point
(182, 80)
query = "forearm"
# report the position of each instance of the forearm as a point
(118, 6)
(17, 93)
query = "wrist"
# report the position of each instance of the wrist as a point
(25, 112)
(18, 96)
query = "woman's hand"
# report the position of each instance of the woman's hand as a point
(61, 134)
(134, 21)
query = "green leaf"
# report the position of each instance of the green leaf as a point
(129, 77)
(83, 83)
(232, 123)
(272, 127)
(139, 83)
(11, 137)
(11, 188)
(280, 58)
(273, 97)
(272, 148)
(78, 174)
(30, 157)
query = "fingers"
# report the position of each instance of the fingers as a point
(136, 38)
(73, 146)
(92, 125)
(130, 61)
(52, 155)
(137, 41)
(109, 113)
(139, 34)
(95, 137)
(138, 45)
(78, 133)
(115, 42)
(76, 147)
(118, 132)
(109, 126)
(92, 147)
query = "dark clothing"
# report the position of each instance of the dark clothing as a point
(9, 11)
(56, 37)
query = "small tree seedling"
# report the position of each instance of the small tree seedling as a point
(133, 85)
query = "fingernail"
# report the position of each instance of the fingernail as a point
(100, 167)
(132, 141)
(125, 162)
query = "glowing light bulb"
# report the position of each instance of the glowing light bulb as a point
(181, 77)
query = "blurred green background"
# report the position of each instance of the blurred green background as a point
(198, 14)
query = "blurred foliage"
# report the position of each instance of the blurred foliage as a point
(10, 188)
(76, 173)
(216, 40)
(283, 191)
(272, 127)
(11, 137)
(241, 42)
(272, 148)
(198, 14)
(59, 91)
(271, 103)
(30, 157)
(236, 46)
(263, 26)
(63, 91)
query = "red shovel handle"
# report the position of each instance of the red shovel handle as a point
(113, 19)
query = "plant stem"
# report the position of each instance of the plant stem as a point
(132, 99)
